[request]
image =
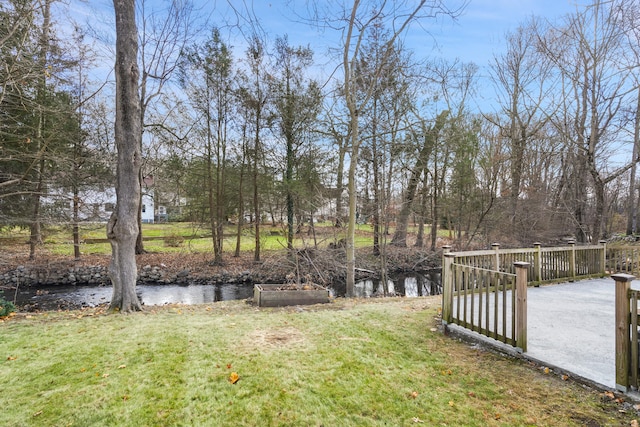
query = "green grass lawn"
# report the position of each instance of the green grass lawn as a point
(347, 363)
(58, 240)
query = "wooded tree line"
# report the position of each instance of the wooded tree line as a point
(249, 134)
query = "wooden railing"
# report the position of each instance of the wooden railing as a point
(490, 302)
(486, 292)
(624, 259)
(546, 265)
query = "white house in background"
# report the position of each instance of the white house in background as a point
(97, 205)
(148, 205)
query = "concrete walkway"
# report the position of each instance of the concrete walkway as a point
(572, 326)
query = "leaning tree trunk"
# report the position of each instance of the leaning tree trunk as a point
(430, 137)
(122, 229)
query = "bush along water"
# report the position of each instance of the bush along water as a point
(6, 307)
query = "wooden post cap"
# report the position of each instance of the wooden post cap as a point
(622, 277)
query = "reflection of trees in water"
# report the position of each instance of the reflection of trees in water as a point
(54, 297)
(414, 284)
(68, 297)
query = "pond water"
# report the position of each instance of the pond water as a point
(71, 297)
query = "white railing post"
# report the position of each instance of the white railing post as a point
(496, 262)
(521, 304)
(603, 257)
(623, 342)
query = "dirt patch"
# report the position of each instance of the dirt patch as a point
(275, 339)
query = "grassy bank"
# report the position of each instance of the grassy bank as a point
(348, 363)
(185, 237)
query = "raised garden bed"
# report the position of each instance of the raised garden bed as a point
(278, 295)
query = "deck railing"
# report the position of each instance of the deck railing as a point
(546, 265)
(490, 302)
(486, 291)
(624, 259)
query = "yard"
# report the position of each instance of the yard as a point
(348, 363)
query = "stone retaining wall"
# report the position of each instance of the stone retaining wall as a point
(69, 274)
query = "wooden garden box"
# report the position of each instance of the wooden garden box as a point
(274, 295)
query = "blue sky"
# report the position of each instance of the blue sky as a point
(479, 33)
(475, 36)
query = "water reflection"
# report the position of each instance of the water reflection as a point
(54, 297)
(70, 297)
(406, 284)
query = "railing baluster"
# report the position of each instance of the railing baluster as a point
(496, 293)
(634, 339)
(487, 284)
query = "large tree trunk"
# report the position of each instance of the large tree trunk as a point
(122, 229)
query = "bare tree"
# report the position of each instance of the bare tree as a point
(122, 228)
(632, 31)
(428, 136)
(523, 80)
(587, 52)
(164, 34)
(356, 19)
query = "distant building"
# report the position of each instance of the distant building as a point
(97, 204)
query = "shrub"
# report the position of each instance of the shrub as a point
(173, 241)
(6, 307)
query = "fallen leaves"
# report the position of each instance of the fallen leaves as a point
(234, 377)
(611, 396)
